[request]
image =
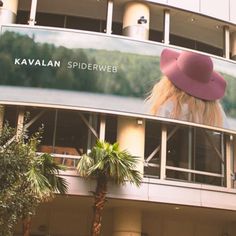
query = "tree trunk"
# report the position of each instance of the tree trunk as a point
(99, 201)
(26, 225)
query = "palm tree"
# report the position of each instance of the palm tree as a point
(107, 162)
(43, 181)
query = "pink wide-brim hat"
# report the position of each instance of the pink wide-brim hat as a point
(193, 73)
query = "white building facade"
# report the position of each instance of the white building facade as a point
(188, 186)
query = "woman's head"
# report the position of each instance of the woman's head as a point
(193, 73)
(201, 111)
(190, 86)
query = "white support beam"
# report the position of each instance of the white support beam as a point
(33, 10)
(109, 16)
(102, 127)
(233, 45)
(229, 166)
(25, 127)
(226, 42)
(34, 119)
(194, 171)
(87, 123)
(166, 26)
(163, 152)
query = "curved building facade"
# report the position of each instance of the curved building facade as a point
(84, 69)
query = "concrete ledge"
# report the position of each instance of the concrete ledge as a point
(161, 191)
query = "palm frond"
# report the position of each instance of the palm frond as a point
(39, 184)
(108, 160)
(84, 165)
(44, 177)
(51, 171)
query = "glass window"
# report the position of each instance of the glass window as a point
(117, 28)
(111, 129)
(209, 155)
(152, 148)
(71, 132)
(48, 19)
(22, 17)
(11, 115)
(155, 35)
(46, 119)
(178, 151)
(65, 132)
(83, 23)
(195, 155)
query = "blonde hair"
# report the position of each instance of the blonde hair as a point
(199, 111)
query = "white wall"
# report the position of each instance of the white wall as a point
(163, 191)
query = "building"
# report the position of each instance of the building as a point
(189, 169)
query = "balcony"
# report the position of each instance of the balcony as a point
(178, 153)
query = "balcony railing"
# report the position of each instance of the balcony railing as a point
(179, 153)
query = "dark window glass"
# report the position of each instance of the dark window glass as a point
(111, 129)
(155, 35)
(192, 44)
(85, 24)
(64, 132)
(195, 149)
(178, 151)
(71, 131)
(117, 28)
(209, 49)
(47, 19)
(181, 41)
(10, 115)
(152, 148)
(46, 119)
(22, 17)
(209, 155)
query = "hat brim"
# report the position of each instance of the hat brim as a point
(212, 90)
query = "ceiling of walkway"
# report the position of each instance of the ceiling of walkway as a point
(183, 23)
(166, 210)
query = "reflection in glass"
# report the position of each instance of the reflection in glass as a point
(152, 149)
(196, 155)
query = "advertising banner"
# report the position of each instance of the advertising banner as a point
(92, 70)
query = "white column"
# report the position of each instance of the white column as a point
(166, 26)
(233, 45)
(102, 130)
(229, 168)
(33, 10)
(109, 16)
(131, 136)
(8, 11)
(136, 20)
(127, 222)
(2, 110)
(226, 42)
(163, 152)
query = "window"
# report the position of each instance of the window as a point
(152, 148)
(195, 155)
